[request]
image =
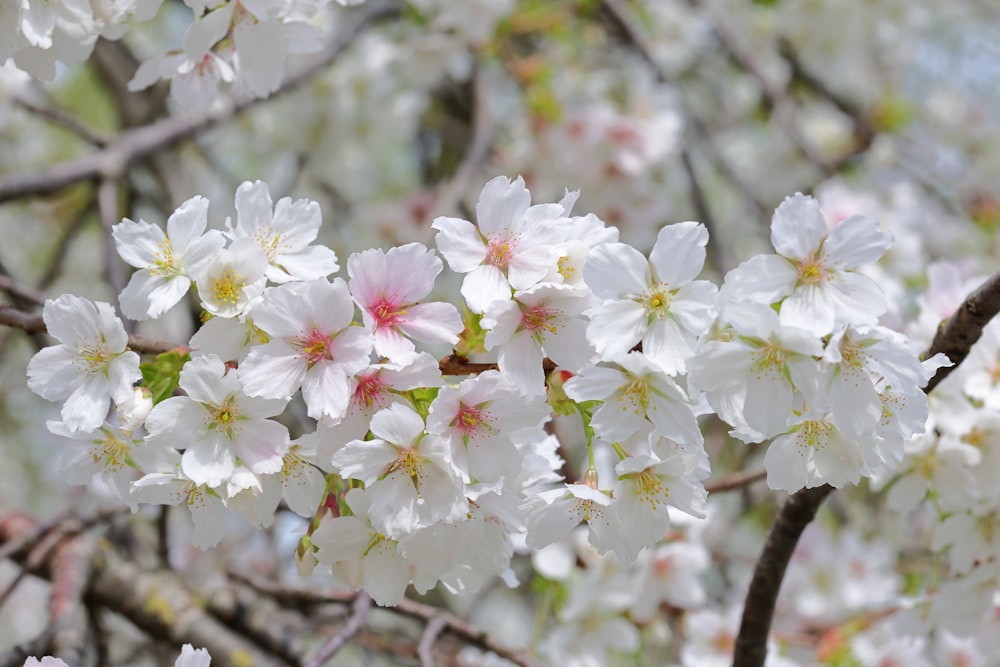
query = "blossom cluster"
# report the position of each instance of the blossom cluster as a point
(189, 657)
(412, 475)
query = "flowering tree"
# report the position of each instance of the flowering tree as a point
(547, 419)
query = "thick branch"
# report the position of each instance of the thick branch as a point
(959, 333)
(159, 603)
(954, 338)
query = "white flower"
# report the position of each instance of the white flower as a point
(814, 452)
(285, 236)
(310, 345)
(90, 367)
(760, 366)
(478, 418)
(218, 425)
(408, 473)
(512, 247)
(362, 556)
(645, 489)
(657, 302)
(543, 320)
(633, 391)
(208, 514)
(388, 286)
(166, 262)
(233, 279)
(553, 514)
(106, 451)
(812, 270)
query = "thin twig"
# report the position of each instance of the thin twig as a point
(736, 480)
(356, 621)
(63, 119)
(425, 649)
(133, 145)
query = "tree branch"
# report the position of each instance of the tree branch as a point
(954, 338)
(113, 160)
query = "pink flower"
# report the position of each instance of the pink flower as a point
(388, 287)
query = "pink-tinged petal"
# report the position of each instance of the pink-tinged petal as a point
(286, 311)
(432, 323)
(253, 208)
(809, 308)
(484, 285)
(261, 446)
(594, 384)
(392, 345)
(615, 327)
(209, 461)
(187, 223)
(138, 243)
(667, 346)
(330, 304)
(87, 407)
(325, 391)
(787, 464)
(398, 425)
(351, 349)
(411, 270)
(460, 243)
(314, 262)
(368, 276)
(856, 241)
(502, 204)
(614, 270)
(855, 298)
(52, 373)
(679, 253)
(798, 227)
(521, 359)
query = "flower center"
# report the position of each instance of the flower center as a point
(657, 302)
(385, 313)
(94, 357)
(316, 347)
(223, 418)
(500, 251)
(112, 452)
(228, 288)
(767, 360)
(471, 421)
(637, 395)
(649, 489)
(536, 319)
(369, 390)
(812, 271)
(269, 241)
(164, 262)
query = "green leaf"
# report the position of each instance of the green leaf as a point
(163, 374)
(472, 340)
(422, 397)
